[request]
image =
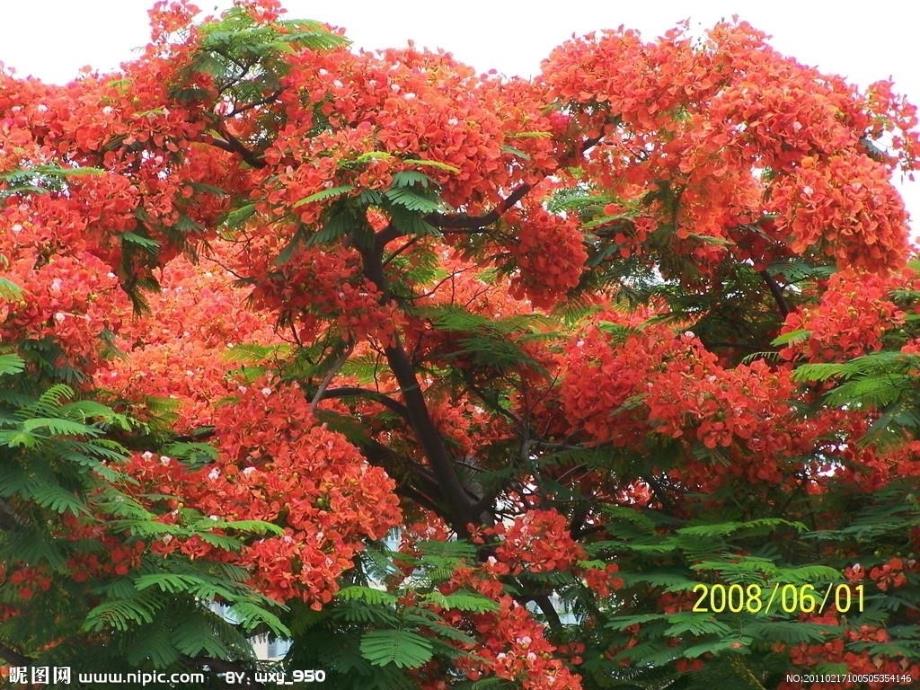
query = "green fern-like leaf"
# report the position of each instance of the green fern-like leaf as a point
(9, 290)
(462, 601)
(368, 595)
(11, 364)
(252, 616)
(56, 498)
(324, 195)
(439, 165)
(402, 648)
(413, 200)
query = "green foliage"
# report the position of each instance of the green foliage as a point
(11, 364)
(324, 195)
(791, 337)
(885, 382)
(425, 163)
(413, 200)
(799, 270)
(660, 556)
(370, 636)
(489, 344)
(410, 178)
(144, 243)
(41, 179)
(9, 290)
(401, 648)
(247, 58)
(238, 216)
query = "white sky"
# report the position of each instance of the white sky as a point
(862, 41)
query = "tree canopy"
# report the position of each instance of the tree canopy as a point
(455, 380)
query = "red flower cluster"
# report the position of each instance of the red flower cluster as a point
(847, 207)
(604, 581)
(69, 298)
(735, 130)
(407, 105)
(28, 579)
(184, 354)
(536, 542)
(892, 574)
(601, 381)
(656, 380)
(516, 649)
(511, 644)
(550, 255)
(653, 380)
(854, 312)
(317, 289)
(275, 466)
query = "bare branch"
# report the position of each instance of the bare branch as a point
(777, 293)
(13, 656)
(376, 396)
(327, 379)
(270, 98)
(461, 222)
(230, 143)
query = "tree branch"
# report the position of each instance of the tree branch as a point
(549, 611)
(777, 293)
(461, 222)
(419, 497)
(233, 145)
(13, 656)
(270, 98)
(327, 379)
(579, 516)
(376, 396)
(427, 434)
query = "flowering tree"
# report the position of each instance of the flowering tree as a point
(577, 344)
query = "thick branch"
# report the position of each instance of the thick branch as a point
(233, 145)
(546, 606)
(477, 222)
(777, 293)
(426, 432)
(430, 438)
(330, 374)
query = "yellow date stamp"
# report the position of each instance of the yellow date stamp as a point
(778, 598)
